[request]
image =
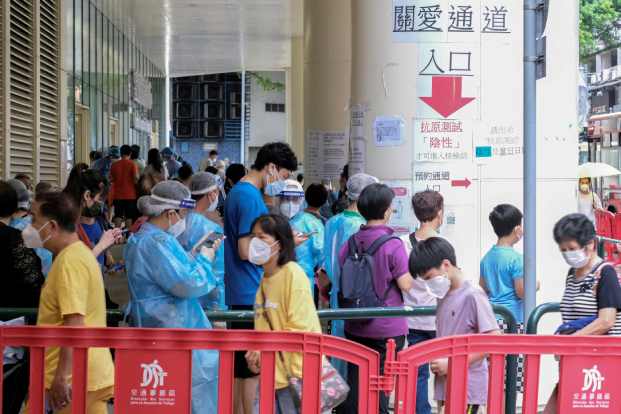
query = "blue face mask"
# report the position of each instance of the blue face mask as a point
(275, 188)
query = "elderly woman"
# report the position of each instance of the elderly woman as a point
(166, 282)
(592, 298)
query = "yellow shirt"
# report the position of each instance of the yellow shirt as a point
(74, 285)
(290, 306)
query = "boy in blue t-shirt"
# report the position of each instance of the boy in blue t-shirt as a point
(502, 268)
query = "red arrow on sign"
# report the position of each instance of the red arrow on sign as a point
(446, 96)
(461, 183)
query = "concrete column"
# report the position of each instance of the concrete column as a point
(383, 81)
(327, 65)
(295, 98)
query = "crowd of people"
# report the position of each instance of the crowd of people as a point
(231, 238)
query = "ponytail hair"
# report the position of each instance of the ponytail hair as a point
(82, 179)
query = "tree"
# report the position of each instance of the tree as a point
(598, 24)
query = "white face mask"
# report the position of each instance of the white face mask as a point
(439, 286)
(576, 258)
(176, 229)
(213, 206)
(32, 236)
(584, 188)
(289, 209)
(260, 252)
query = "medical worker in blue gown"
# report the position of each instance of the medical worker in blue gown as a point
(22, 218)
(306, 221)
(165, 282)
(338, 231)
(205, 191)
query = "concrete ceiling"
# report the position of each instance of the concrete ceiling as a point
(190, 37)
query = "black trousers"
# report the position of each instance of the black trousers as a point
(350, 406)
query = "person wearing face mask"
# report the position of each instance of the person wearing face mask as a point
(390, 278)
(592, 296)
(337, 232)
(463, 308)
(166, 282)
(86, 187)
(22, 273)
(22, 218)
(204, 190)
(243, 206)
(287, 290)
(502, 269)
(309, 222)
(588, 201)
(428, 208)
(73, 295)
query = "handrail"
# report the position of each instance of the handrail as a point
(538, 313)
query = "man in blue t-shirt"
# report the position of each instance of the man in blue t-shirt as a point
(244, 204)
(502, 268)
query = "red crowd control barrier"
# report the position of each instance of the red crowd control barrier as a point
(153, 367)
(590, 377)
(153, 371)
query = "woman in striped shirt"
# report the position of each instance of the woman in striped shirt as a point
(592, 297)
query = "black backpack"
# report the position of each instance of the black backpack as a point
(357, 289)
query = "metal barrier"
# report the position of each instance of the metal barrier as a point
(339, 314)
(538, 313)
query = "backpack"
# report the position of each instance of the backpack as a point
(357, 288)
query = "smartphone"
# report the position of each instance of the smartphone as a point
(213, 238)
(117, 267)
(207, 240)
(308, 235)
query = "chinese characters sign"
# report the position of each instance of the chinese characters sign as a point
(326, 154)
(589, 385)
(449, 20)
(442, 141)
(154, 382)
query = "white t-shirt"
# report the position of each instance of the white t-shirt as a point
(587, 203)
(418, 296)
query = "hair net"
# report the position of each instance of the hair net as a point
(203, 183)
(292, 188)
(23, 196)
(167, 195)
(357, 183)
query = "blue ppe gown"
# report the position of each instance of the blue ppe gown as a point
(165, 283)
(44, 254)
(338, 231)
(310, 253)
(197, 226)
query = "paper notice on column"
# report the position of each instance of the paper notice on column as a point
(357, 143)
(326, 154)
(334, 154)
(312, 169)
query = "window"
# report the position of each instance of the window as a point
(272, 107)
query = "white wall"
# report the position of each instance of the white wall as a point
(266, 127)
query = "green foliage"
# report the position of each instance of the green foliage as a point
(597, 24)
(267, 84)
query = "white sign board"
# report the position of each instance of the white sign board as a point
(326, 154)
(402, 220)
(357, 142)
(388, 131)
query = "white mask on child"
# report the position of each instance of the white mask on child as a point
(439, 286)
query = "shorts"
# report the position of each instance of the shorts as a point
(241, 366)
